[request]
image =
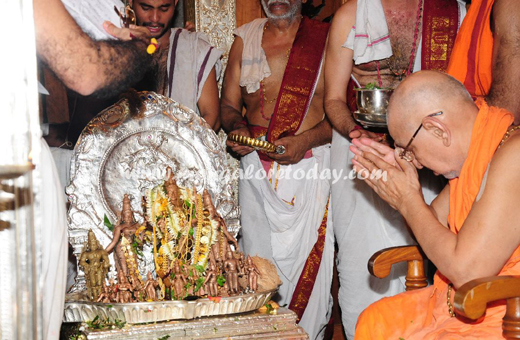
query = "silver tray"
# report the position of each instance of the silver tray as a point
(370, 119)
(145, 312)
(119, 152)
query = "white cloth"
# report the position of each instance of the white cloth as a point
(286, 233)
(53, 247)
(365, 224)
(91, 14)
(369, 38)
(62, 158)
(254, 61)
(194, 59)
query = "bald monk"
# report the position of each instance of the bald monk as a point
(471, 229)
(485, 54)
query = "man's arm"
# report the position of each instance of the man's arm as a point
(506, 57)
(338, 68)
(231, 103)
(440, 206)
(84, 65)
(208, 102)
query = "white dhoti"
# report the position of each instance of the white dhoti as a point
(280, 221)
(52, 233)
(363, 225)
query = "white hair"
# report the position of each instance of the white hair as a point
(295, 8)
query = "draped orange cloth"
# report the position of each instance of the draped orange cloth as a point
(423, 314)
(472, 55)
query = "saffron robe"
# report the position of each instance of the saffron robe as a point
(423, 314)
(364, 223)
(472, 54)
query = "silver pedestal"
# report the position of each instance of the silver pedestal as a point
(241, 326)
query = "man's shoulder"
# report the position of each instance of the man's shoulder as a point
(243, 30)
(344, 18)
(189, 35)
(254, 23)
(184, 41)
(506, 163)
(347, 12)
(510, 147)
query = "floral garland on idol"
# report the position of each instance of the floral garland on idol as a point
(192, 250)
(183, 231)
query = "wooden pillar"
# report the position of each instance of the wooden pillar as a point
(248, 10)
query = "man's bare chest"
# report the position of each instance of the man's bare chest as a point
(404, 30)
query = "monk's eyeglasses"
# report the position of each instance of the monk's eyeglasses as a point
(407, 154)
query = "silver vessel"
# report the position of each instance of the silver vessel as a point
(372, 105)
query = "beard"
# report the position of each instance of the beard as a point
(289, 15)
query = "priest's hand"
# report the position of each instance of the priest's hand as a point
(398, 185)
(295, 149)
(241, 150)
(126, 34)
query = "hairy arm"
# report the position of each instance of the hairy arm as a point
(208, 102)
(231, 103)
(84, 65)
(506, 57)
(338, 68)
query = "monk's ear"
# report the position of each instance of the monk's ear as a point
(438, 129)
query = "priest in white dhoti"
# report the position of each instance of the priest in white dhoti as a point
(274, 71)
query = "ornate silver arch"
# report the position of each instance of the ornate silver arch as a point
(122, 153)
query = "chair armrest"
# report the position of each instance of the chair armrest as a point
(472, 298)
(380, 264)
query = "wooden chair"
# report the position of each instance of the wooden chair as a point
(470, 300)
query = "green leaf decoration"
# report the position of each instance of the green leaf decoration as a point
(221, 280)
(119, 323)
(108, 224)
(198, 284)
(269, 308)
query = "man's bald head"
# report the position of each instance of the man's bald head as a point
(422, 92)
(418, 100)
